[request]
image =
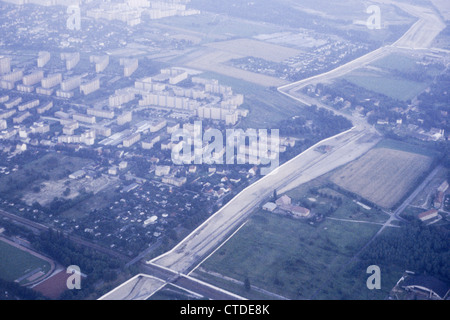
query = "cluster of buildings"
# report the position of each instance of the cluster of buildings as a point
(207, 99)
(131, 11)
(437, 204)
(49, 84)
(283, 205)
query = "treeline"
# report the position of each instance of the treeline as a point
(17, 291)
(97, 266)
(414, 247)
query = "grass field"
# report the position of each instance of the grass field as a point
(293, 258)
(396, 88)
(212, 26)
(214, 60)
(396, 62)
(419, 147)
(16, 263)
(254, 48)
(383, 176)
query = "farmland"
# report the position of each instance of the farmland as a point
(396, 88)
(215, 60)
(254, 48)
(299, 258)
(383, 176)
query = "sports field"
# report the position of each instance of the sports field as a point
(19, 265)
(383, 176)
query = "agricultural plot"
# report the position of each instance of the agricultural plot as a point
(215, 56)
(383, 176)
(210, 59)
(254, 48)
(291, 258)
(393, 87)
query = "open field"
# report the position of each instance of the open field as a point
(292, 258)
(254, 48)
(383, 176)
(209, 26)
(51, 189)
(386, 84)
(214, 60)
(19, 265)
(419, 147)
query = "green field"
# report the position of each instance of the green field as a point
(418, 148)
(211, 26)
(396, 88)
(396, 62)
(295, 259)
(15, 263)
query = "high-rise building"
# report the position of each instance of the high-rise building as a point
(21, 117)
(43, 58)
(101, 62)
(5, 65)
(124, 118)
(90, 87)
(84, 118)
(28, 105)
(3, 124)
(33, 78)
(71, 83)
(46, 107)
(51, 81)
(108, 114)
(71, 59)
(129, 141)
(13, 76)
(129, 66)
(13, 103)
